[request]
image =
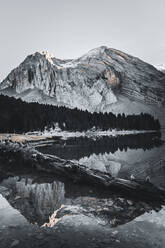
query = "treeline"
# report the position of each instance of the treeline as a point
(18, 116)
(77, 148)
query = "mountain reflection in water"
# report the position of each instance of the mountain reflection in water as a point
(47, 202)
(139, 154)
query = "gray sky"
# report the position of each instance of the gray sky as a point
(69, 28)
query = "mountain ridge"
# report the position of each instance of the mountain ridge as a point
(104, 79)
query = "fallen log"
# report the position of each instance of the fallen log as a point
(14, 157)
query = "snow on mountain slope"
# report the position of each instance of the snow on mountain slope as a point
(104, 79)
(161, 67)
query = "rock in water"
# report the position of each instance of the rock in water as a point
(104, 79)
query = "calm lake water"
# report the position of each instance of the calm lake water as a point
(140, 155)
(43, 200)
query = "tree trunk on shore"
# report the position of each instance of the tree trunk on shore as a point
(17, 159)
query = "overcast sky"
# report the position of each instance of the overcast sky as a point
(69, 28)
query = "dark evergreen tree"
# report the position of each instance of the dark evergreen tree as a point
(19, 116)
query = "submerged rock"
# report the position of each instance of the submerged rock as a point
(15, 243)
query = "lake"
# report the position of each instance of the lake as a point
(44, 200)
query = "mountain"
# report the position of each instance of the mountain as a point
(104, 79)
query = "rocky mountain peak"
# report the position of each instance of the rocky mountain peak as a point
(104, 79)
(48, 56)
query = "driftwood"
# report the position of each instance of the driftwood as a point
(15, 158)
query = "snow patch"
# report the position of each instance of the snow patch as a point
(160, 67)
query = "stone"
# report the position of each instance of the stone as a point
(15, 243)
(115, 232)
(17, 197)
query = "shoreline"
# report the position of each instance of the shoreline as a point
(99, 133)
(55, 136)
